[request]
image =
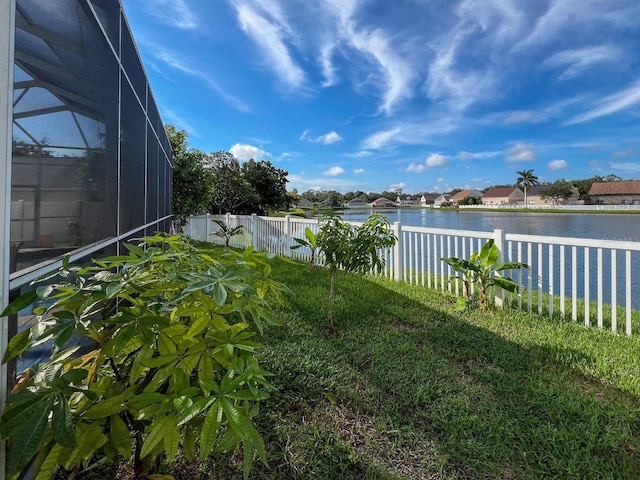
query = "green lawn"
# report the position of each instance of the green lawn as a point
(411, 388)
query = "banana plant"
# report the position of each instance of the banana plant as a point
(310, 241)
(226, 233)
(481, 269)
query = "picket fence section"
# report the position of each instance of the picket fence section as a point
(585, 280)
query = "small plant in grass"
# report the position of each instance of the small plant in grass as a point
(173, 366)
(310, 241)
(226, 233)
(353, 248)
(481, 269)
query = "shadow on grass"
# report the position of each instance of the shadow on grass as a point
(411, 389)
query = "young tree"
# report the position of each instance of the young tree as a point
(192, 185)
(353, 249)
(526, 179)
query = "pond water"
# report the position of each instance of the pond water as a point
(608, 227)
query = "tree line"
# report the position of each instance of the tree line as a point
(218, 183)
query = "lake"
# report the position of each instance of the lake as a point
(581, 225)
(624, 227)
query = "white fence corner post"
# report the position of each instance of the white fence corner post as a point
(227, 219)
(397, 252)
(254, 231)
(498, 240)
(207, 228)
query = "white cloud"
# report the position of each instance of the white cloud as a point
(436, 160)
(244, 152)
(525, 116)
(399, 77)
(558, 165)
(326, 139)
(397, 186)
(174, 13)
(333, 172)
(440, 179)
(578, 60)
(302, 182)
(627, 152)
(174, 62)
(415, 167)
(269, 38)
(178, 121)
(359, 154)
(358, 171)
(380, 139)
(626, 167)
(610, 104)
(521, 152)
(479, 155)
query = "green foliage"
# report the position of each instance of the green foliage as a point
(172, 366)
(310, 241)
(353, 248)
(269, 185)
(481, 269)
(231, 190)
(192, 187)
(560, 190)
(226, 233)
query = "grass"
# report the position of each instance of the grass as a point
(412, 388)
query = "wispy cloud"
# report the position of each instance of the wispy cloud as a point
(358, 171)
(399, 77)
(244, 152)
(269, 39)
(175, 13)
(521, 152)
(334, 172)
(380, 139)
(626, 167)
(179, 121)
(478, 155)
(627, 152)
(575, 61)
(306, 182)
(558, 165)
(525, 116)
(610, 104)
(326, 139)
(172, 60)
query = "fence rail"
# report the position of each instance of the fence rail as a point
(586, 280)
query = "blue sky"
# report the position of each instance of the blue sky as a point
(412, 94)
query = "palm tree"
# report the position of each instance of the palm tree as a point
(526, 179)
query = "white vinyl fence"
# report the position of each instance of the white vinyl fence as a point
(585, 280)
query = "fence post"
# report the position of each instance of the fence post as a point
(207, 230)
(227, 219)
(498, 240)
(287, 229)
(254, 231)
(397, 252)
